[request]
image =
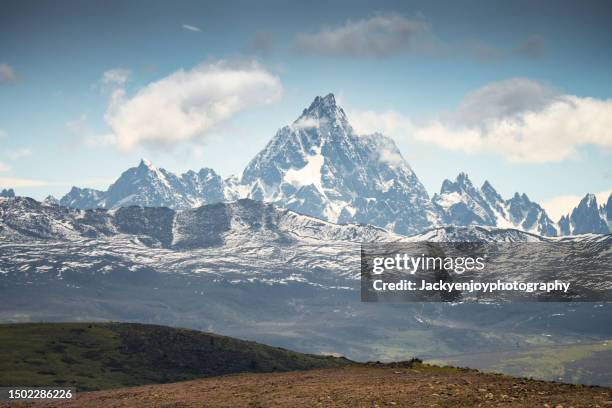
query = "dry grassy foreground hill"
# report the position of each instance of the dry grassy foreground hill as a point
(353, 386)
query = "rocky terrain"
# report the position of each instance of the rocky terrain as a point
(353, 386)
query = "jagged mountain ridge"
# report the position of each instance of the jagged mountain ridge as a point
(460, 203)
(318, 166)
(588, 217)
(147, 185)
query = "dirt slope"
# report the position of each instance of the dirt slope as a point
(353, 386)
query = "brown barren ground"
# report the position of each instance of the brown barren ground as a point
(352, 386)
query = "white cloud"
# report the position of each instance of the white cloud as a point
(4, 167)
(188, 103)
(191, 28)
(562, 205)
(389, 123)
(378, 36)
(7, 74)
(391, 157)
(18, 153)
(523, 121)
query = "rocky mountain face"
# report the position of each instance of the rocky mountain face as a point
(460, 203)
(588, 217)
(320, 167)
(147, 185)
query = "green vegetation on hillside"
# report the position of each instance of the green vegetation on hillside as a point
(93, 356)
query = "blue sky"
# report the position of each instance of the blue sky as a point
(421, 71)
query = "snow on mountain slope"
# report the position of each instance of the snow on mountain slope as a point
(245, 241)
(475, 234)
(23, 219)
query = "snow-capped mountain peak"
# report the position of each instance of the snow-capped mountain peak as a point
(325, 110)
(319, 166)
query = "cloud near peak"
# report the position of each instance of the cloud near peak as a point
(523, 121)
(188, 104)
(518, 119)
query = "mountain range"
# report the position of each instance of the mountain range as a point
(319, 166)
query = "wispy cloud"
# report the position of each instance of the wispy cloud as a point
(14, 182)
(7, 74)
(17, 182)
(192, 28)
(307, 123)
(389, 123)
(378, 36)
(115, 77)
(386, 35)
(261, 42)
(4, 167)
(533, 47)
